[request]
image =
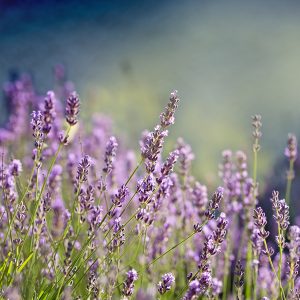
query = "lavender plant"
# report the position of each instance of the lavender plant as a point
(84, 217)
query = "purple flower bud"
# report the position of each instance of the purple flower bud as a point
(216, 287)
(60, 218)
(260, 222)
(37, 124)
(281, 211)
(110, 153)
(72, 109)
(239, 275)
(54, 180)
(205, 281)
(186, 156)
(194, 290)
(199, 197)
(128, 284)
(15, 168)
(291, 149)
(120, 196)
(49, 111)
(166, 283)
(145, 188)
(214, 202)
(82, 171)
(167, 117)
(168, 165)
(151, 146)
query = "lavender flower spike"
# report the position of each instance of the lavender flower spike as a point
(72, 109)
(37, 127)
(120, 196)
(260, 222)
(15, 168)
(151, 146)
(166, 283)
(49, 113)
(168, 165)
(194, 290)
(214, 202)
(128, 284)
(110, 153)
(291, 149)
(167, 117)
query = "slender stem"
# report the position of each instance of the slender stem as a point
(226, 267)
(273, 269)
(144, 250)
(291, 282)
(255, 275)
(289, 182)
(248, 271)
(134, 171)
(172, 248)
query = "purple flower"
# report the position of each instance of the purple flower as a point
(87, 198)
(120, 196)
(49, 111)
(37, 124)
(60, 218)
(15, 168)
(199, 198)
(214, 202)
(239, 275)
(205, 281)
(212, 244)
(281, 216)
(216, 287)
(82, 171)
(168, 165)
(186, 156)
(54, 180)
(167, 117)
(151, 146)
(194, 290)
(128, 285)
(291, 149)
(110, 154)
(260, 221)
(72, 109)
(166, 283)
(118, 235)
(145, 188)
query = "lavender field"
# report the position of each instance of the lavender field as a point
(84, 217)
(114, 185)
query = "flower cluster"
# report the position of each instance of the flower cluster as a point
(77, 213)
(167, 280)
(72, 109)
(128, 284)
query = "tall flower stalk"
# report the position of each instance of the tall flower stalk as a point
(256, 123)
(291, 153)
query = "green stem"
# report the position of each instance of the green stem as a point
(273, 269)
(226, 267)
(289, 182)
(255, 274)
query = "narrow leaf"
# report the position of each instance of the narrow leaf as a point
(25, 263)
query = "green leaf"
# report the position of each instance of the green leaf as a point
(25, 263)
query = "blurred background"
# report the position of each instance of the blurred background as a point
(227, 59)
